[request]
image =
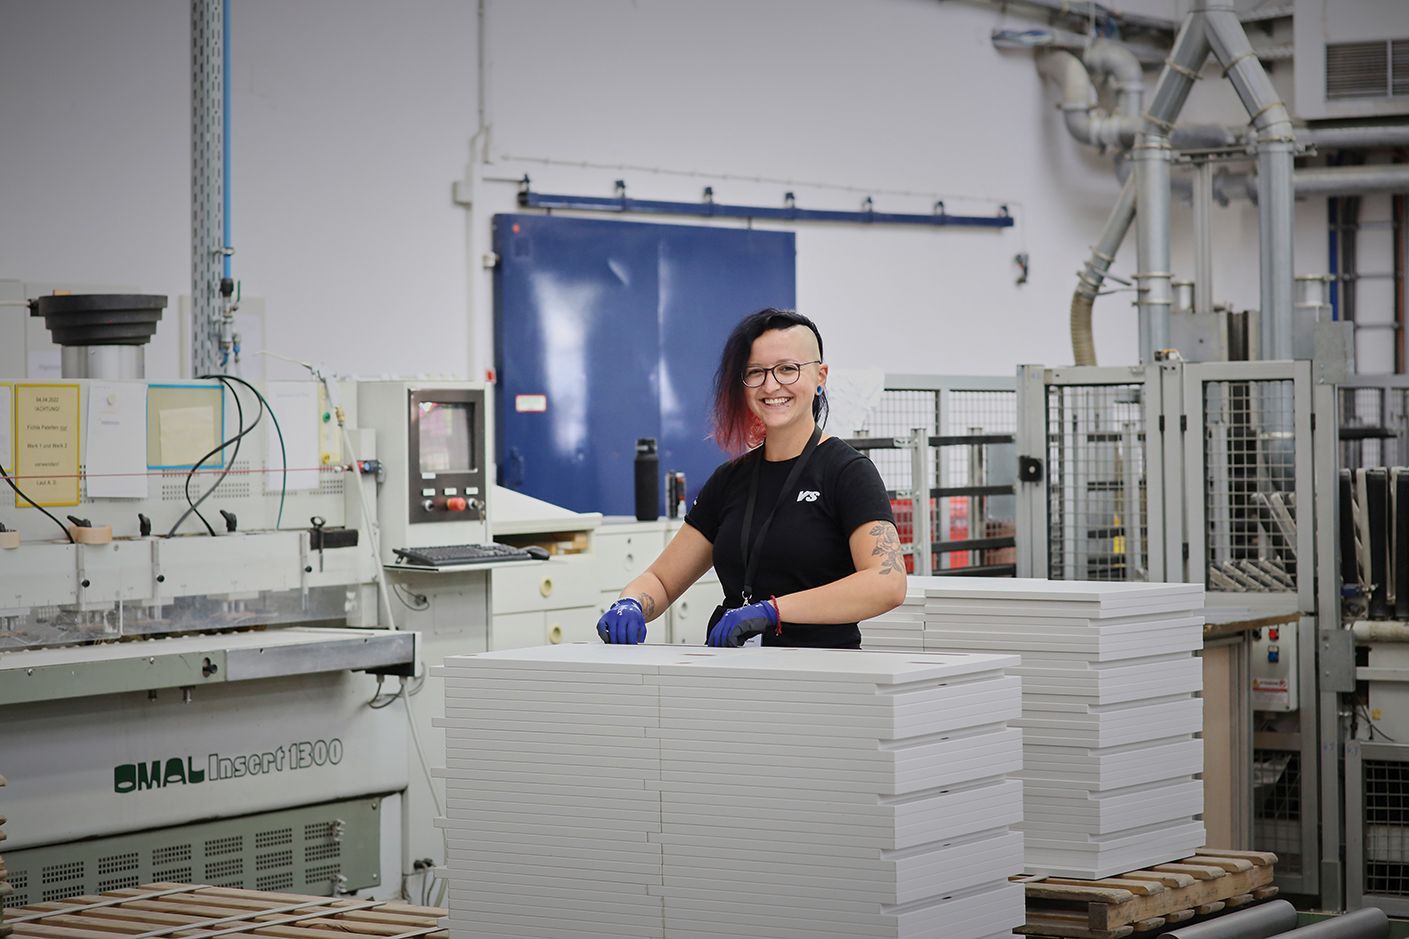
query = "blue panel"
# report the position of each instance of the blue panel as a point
(618, 325)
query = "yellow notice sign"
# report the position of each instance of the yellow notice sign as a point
(46, 443)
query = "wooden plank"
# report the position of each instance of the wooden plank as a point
(1064, 891)
(1168, 879)
(1258, 858)
(1230, 864)
(1208, 909)
(1196, 871)
(1266, 893)
(1074, 932)
(1204, 892)
(1149, 925)
(97, 924)
(1239, 901)
(1143, 888)
(1178, 916)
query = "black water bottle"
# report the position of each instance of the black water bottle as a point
(647, 480)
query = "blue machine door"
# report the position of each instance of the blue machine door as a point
(608, 331)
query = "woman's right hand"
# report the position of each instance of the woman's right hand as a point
(623, 623)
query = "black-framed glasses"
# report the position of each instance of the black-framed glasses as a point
(785, 373)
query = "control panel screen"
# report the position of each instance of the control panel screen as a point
(447, 437)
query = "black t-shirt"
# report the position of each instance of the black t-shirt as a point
(808, 542)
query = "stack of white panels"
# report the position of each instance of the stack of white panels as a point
(1110, 712)
(653, 791)
(903, 628)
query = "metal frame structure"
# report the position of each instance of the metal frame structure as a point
(1039, 443)
(207, 181)
(1364, 840)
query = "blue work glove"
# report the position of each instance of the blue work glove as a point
(738, 626)
(623, 623)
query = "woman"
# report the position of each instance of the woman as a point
(799, 528)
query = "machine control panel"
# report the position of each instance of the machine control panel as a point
(1274, 668)
(445, 444)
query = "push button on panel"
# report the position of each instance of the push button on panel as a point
(456, 504)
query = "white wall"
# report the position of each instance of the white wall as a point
(353, 118)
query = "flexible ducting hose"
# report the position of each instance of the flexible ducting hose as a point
(1083, 342)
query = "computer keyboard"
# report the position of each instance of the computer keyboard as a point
(457, 554)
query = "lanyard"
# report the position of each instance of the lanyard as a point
(750, 552)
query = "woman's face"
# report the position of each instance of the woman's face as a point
(779, 404)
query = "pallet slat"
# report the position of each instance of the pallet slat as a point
(186, 911)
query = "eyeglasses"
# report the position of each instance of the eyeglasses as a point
(785, 373)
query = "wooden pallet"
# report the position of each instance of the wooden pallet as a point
(1142, 901)
(184, 911)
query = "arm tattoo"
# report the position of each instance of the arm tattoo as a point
(648, 604)
(888, 546)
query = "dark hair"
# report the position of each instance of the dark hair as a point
(735, 427)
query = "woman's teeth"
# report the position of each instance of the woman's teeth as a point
(775, 402)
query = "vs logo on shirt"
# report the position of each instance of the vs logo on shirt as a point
(808, 495)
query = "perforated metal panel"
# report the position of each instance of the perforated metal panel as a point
(309, 850)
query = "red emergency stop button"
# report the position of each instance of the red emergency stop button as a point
(456, 504)
(1273, 633)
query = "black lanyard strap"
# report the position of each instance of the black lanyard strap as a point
(750, 551)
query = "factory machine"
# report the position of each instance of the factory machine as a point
(200, 678)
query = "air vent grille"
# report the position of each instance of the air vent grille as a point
(1375, 69)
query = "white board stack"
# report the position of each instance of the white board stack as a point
(653, 791)
(900, 630)
(1110, 711)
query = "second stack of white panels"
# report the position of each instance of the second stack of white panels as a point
(654, 791)
(811, 793)
(1110, 712)
(900, 630)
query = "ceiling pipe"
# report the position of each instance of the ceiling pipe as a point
(1356, 138)
(1152, 156)
(1276, 154)
(1091, 125)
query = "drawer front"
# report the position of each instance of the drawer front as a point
(547, 585)
(622, 555)
(578, 624)
(689, 615)
(516, 631)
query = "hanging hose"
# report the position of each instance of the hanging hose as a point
(1089, 280)
(1083, 343)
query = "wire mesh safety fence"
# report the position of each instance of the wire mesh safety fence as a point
(1097, 503)
(1276, 815)
(1250, 506)
(971, 464)
(1374, 426)
(1385, 794)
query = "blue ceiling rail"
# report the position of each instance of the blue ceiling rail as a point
(789, 212)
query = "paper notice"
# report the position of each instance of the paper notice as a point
(46, 443)
(296, 404)
(115, 454)
(187, 434)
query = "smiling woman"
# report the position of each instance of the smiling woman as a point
(798, 527)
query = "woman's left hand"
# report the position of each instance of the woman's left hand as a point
(738, 626)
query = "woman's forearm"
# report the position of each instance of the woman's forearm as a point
(650, 593)
(855, 597)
